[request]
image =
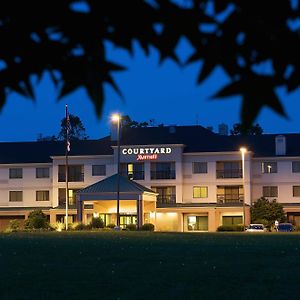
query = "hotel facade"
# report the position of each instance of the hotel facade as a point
(180, 178)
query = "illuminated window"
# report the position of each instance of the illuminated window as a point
(232, 220)
(197, 223)
(269, 167)
(133, 171)
(200, 192)
(15, 196)
(270, 191)
(15, 173)
(42, 195)
(199, 167)
(62, 196)
(98, 170)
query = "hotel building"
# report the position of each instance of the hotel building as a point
(180, 178)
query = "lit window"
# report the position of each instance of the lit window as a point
(200, 192)
(296, 191)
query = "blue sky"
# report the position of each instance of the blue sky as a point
(166, 93)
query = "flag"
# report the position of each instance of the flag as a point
(68, 144)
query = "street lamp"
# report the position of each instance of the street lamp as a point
(116, 118)
(243, 150)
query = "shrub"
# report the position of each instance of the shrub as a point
(81, 226)
(97, 223)
(131, 227)
(148, 227)
(231, 228)
(111, 225)
(58, 226)
(37, 220)
(13, 226)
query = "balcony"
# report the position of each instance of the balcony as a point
(229, 199)
(163, 174)
(166, 199)
(233, 173)
(77, 177)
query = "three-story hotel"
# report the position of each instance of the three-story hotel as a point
(180, 178)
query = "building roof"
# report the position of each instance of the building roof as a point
(109, 185)
(194, 139)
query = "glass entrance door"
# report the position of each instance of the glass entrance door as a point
(127, 219)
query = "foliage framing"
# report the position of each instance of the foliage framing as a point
(238, 36)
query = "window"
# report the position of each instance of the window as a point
(15, 173)
(296, 166)
(270, 191)
(98, 170)
(62, 196)
(164, 170)
(199, 167)
(15, 196)
(232, 220)
(230, 194)
(200, 192)
(42, 172)
(133, 170)
(269, 167)
(296, 191)
(42, 195)
(75, 173)
(167, 194)
(229, 169)
(197, 223)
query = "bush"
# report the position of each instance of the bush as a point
(13, 226)
(37, 220)
(81, 226)
(131, 227)
(231, 228)
(111, 225)
(58, 226)
(148, 227)
(97, 223)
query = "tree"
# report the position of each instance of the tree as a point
(239, 129)
(76, 129)
(68, 39)
(267, 211)
(36, 220)
(127, 122)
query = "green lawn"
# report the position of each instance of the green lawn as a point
(136, 265)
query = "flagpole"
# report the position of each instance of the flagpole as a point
(66, 167)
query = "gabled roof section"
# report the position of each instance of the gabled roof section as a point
(109, 185)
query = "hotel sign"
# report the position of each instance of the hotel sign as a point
(150, 153)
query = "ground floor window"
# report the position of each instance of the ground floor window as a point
(127, 219)
(232, 220)
(197, 223)
(106, 218)
(62, 218)
(294, 218)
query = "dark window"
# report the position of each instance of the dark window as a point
(42, 173)
(62, 196)
(167, 194)
(199, 167)
(232, 220)
(15, 196)
(15, 173)
(98, 170)
(270, 191)
(229, 169)
(269, 167)
(133, 171)
(164, 170)
(230, 194)
(75, 173)
(200, 192)
(296, 191)
(42, 195)
(296, 166)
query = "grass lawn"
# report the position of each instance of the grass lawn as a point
(136, 265)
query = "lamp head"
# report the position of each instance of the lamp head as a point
(243, 150)
(116, 118)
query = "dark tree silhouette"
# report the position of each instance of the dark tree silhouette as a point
(127, 122)
(76, 129)
(239, 129)
(255, 42)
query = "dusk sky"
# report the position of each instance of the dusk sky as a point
(166, 93)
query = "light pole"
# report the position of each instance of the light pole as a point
(243, 150)
(116, 118)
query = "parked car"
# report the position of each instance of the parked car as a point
(285, 227)
(256, 228)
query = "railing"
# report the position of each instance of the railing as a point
(222, 199)
(233, 173)
(166, 199)
(163, 174)
(79, 177)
